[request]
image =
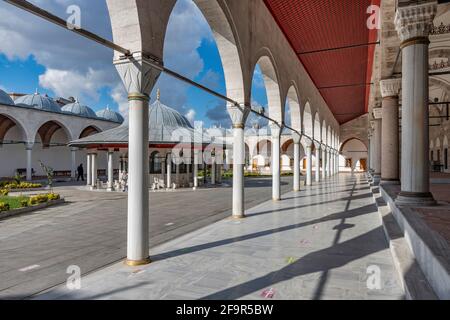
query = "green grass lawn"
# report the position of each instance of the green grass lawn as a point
(14, 202)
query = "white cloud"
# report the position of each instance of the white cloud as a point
(190, 115)
(119, 95)
(67, 83)
(78, 67)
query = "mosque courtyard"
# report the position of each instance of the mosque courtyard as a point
(90, 231)
(317, 244)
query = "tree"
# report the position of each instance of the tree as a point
(50, 173)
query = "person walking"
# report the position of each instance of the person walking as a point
(80, 170)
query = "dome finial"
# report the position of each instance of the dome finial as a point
(36, 92)
(158, 94)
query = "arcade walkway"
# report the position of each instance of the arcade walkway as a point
(316, 244)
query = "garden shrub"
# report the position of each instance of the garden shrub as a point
(24, 203)
(4, 206)
(4, 192)
(43, 198)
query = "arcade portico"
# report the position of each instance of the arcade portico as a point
(369, 96)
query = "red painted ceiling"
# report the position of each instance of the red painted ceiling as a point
(342, 76)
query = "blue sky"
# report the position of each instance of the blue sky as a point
(37, 55)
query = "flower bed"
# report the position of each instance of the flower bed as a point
(11, 185)
(12, 203)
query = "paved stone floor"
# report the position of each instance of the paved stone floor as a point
(316, 244)
(90, 231)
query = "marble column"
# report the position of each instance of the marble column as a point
(329, 162)
(89, 170)
(308, 149)
(110, 171)
(196, 160)
(377, 145)
(317, 163)
(73, 158)
(213, 170)
(336, 162)
(413, 25)
(324, 162)
(390, 90)
(29, 149)
(238, 115)
(94, 168)
(219, 173)
(276, 169)
(139, 79)
(369, 160)
(169, 171)
(296, 137)
(177, 175)
(332, 162)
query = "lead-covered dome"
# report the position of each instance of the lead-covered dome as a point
(78, 109)
(5, 98)
(110, 115)
(39, 102)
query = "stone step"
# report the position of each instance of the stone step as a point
(413, 280)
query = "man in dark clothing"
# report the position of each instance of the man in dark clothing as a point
(80, 172)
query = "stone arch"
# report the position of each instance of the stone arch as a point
(329, 137)
(308, 125)
(350, 139)
(270, 76)
(48, 129)
(286, 145)
(317, 127)
(89, 131)
(264, 147)
(7, 123)
(227, 41)
(294, 107)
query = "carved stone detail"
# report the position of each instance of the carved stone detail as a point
(390, 87)
(138, 76)
(415, 21)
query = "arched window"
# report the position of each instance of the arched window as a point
(155, 163)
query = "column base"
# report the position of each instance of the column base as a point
(92, 188)
(110, 189)
(135, 263)
(416, 199)
(390, 181)
(237, 217)
(376, 178)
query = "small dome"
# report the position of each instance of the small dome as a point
(5, 98)
(79, 110)
(39, 102)
(110, 115)
(167, 118)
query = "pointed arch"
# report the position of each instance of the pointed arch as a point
(308, 127)
(270, 76)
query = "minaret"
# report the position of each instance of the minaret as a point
(158, 95)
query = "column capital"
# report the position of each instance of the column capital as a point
(238, 115)
(296, 137)
(306, 142)
(377, 114)
(413, 23)
(29, 145)
(137, 75)
(275, 130)
(390, 87)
